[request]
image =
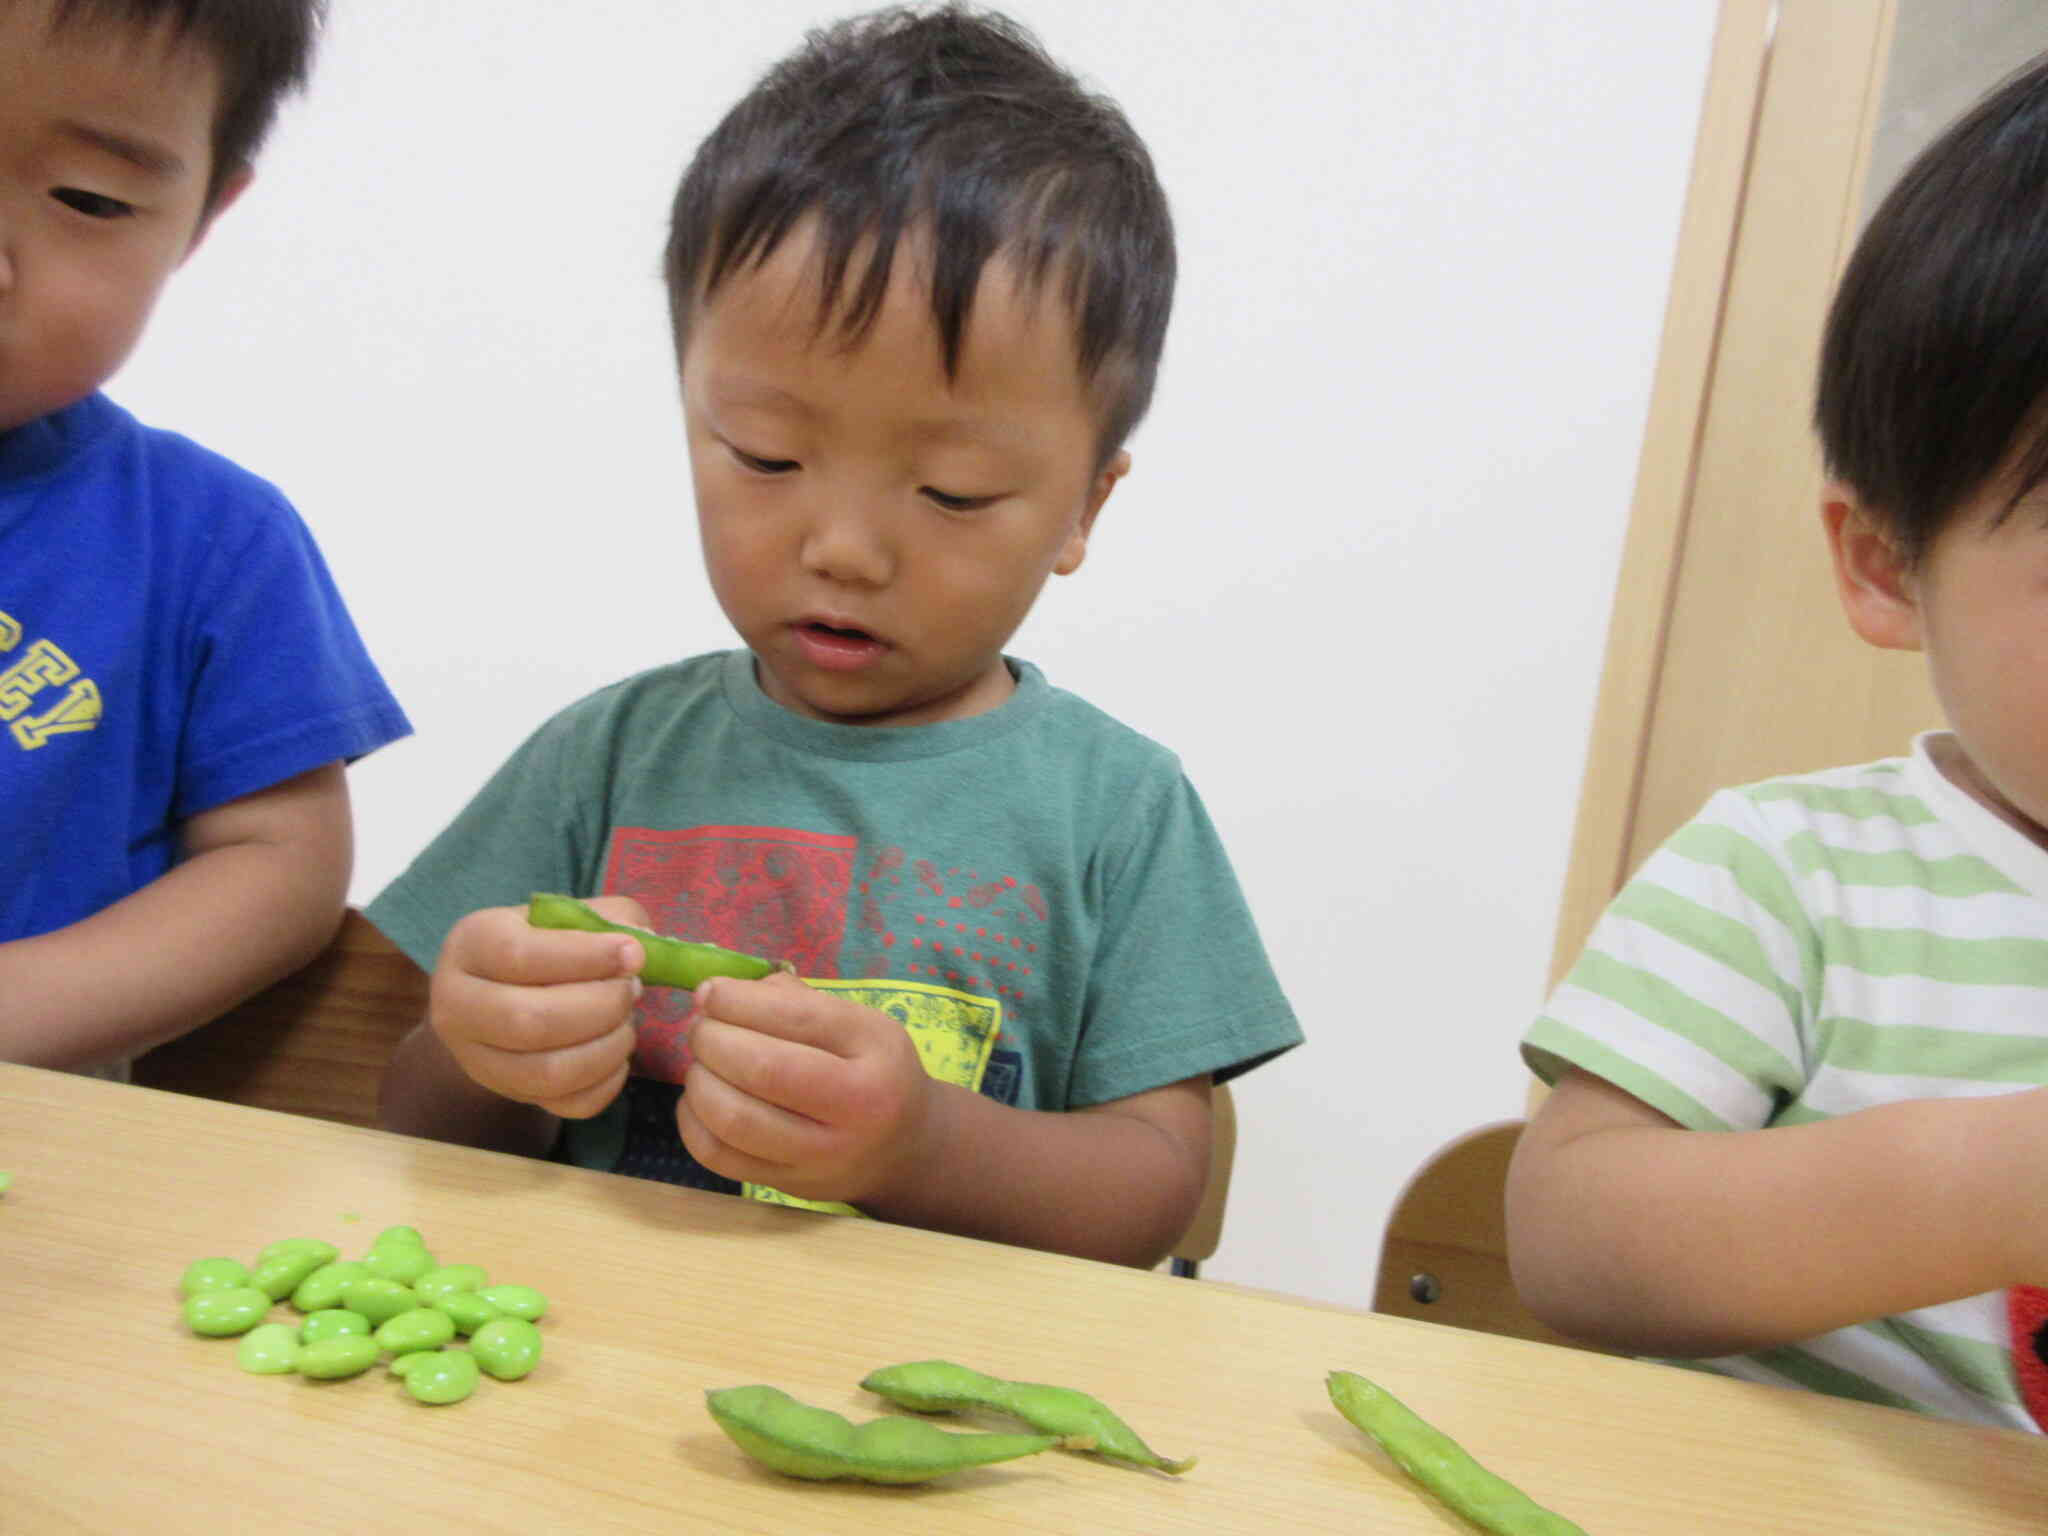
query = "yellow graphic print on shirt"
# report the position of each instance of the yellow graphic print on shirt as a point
(43, 666)
(954, 1033)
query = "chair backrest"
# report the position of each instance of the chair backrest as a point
(1444, 1257)
(1203, 1235)
(314, 1043)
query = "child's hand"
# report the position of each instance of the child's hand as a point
(540, 1016)
(803, 1090)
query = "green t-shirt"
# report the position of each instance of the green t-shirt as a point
(1037, 892)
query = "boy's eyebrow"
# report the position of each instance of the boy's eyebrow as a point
(151, 159)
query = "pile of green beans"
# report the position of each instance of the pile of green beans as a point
(397, 1300)
(1440, 1464)
(669, 962)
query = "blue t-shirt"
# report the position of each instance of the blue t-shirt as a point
(170, 640)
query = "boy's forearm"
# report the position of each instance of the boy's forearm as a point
(237, 914)
(426, 1093)
(1101, 1183)
(1657, 1240)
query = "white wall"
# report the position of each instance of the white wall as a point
(1359, 578)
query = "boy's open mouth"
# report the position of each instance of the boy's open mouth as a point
(837, 647)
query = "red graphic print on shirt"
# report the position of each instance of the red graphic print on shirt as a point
(804, 897)
(772, 891)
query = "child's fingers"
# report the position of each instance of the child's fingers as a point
(782, 1007)
(803, 1079)
(737, 1135)
(499, 945)
(575, 1082)
(467, 1009)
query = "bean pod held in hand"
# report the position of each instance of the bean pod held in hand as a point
(939, 1386)
(669, 962)
(801, 1441)
(1440, 1464)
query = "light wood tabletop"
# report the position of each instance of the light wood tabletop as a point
(114, 1417)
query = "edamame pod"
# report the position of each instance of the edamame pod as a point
(669, 962)
(1440, 1464)
(801, 1441)
(939, 1386)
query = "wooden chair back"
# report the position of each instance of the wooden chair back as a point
(1444, 1257)
(1200, 1240)
(314, 1043)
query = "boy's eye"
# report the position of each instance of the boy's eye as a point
(94, 205)
(952, 503)
(759, 465)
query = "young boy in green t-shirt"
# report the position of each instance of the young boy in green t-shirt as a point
(920, 281)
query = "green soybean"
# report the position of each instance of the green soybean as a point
(378, 1300)
(421, 1328)
(507, 1347)
(448, 1280)
(332, 1323)
(220, 1313)
(802, 1441)
(399, 1262)
(468, 1311)
(268, 1349)
(669, 962)
(939, 1386)
(346, 1354)
(442, 1376)
(212, 1275)
(322, 1288)
(6, 1182)
(1440, 1464)
(516, 1301)
(398, 1236)
(403, 1365)
(284, 1266)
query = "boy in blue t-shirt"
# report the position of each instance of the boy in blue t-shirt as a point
(920, 282)
(180, 684)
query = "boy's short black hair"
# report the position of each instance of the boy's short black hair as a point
(952, 123)
(1934, 365)
(263, 49)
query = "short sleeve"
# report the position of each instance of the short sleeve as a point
(281, 681)
(1181, 984)
(536, 825)
(1691, 993)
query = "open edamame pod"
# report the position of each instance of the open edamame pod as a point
(1440, 1464)
(670, 962)
(939, 1386)
(802, 1441)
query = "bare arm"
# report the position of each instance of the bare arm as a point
(1117, 1181)
(1628, 1231)
(259, 888)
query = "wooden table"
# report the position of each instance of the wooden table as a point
(114, 1418)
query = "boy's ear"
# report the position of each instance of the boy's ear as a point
(1872, 577)
(1076, 548)
(230, 189)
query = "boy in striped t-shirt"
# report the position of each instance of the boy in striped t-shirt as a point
(1846, 973)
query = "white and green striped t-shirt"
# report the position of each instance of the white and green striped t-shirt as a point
(1807, 947)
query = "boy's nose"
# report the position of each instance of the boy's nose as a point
(846, 544)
